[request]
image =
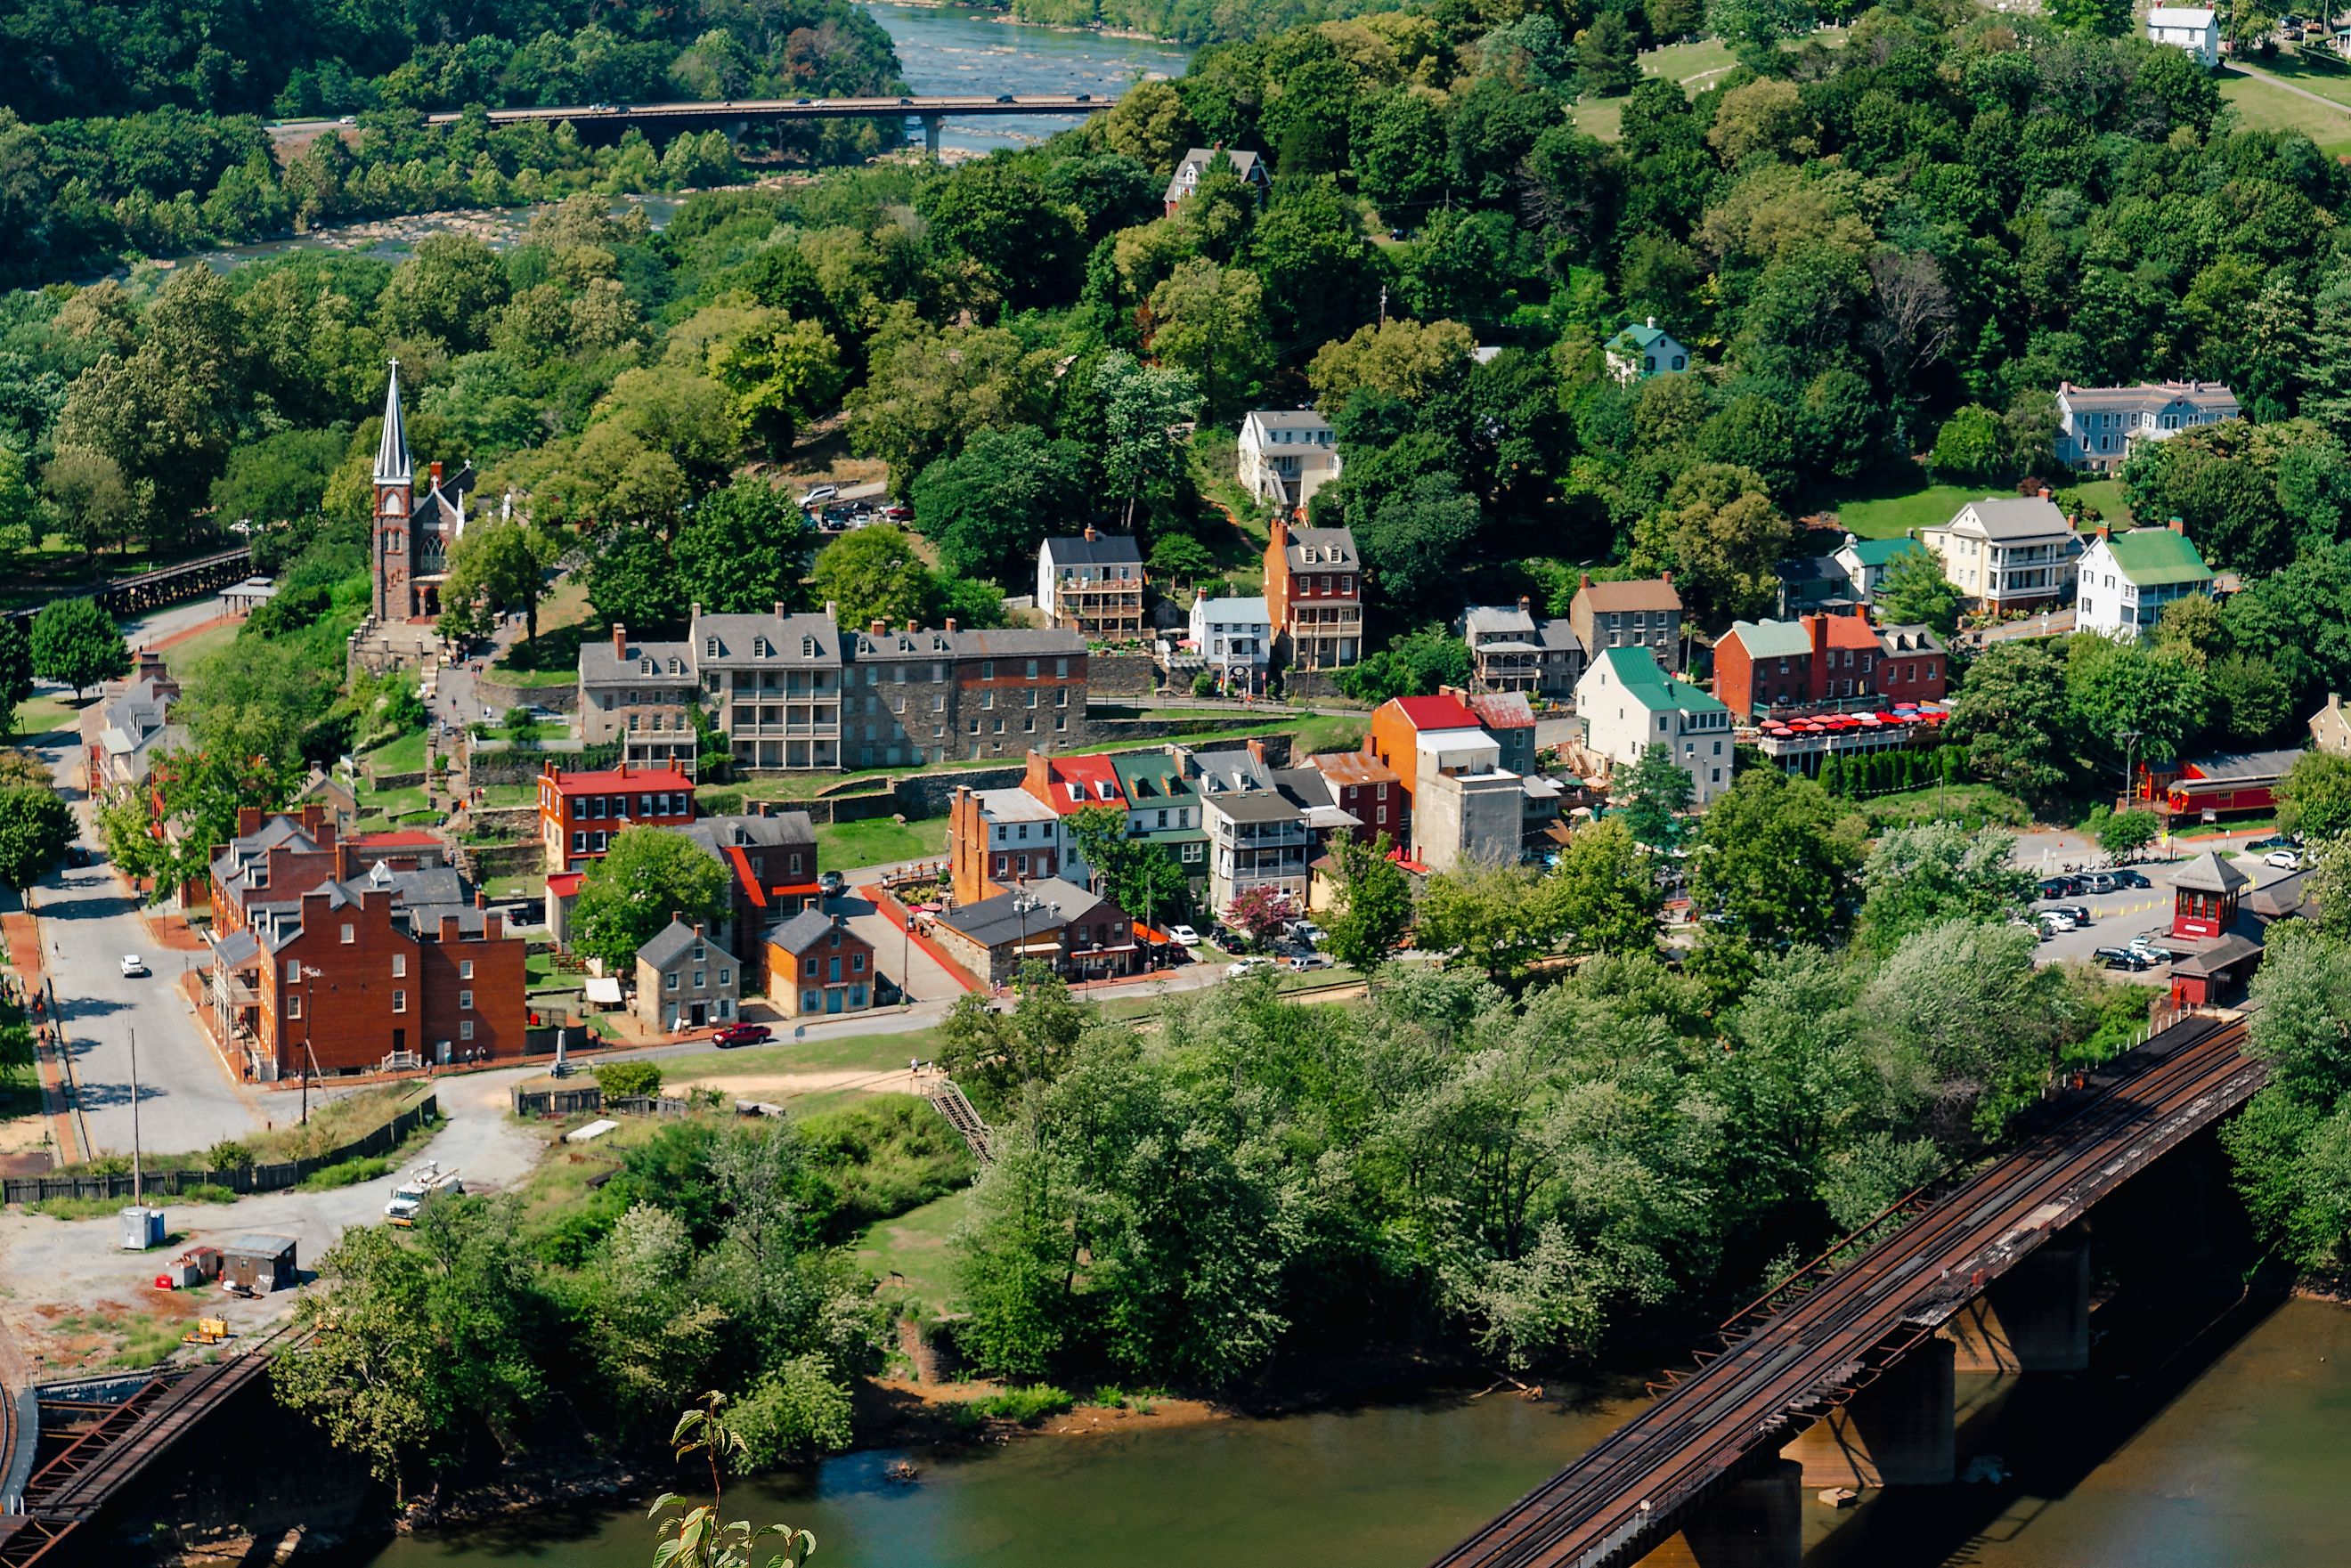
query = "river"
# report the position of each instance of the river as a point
(2241, 1468)
(941, 49)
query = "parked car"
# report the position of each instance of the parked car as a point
(736, 1034)
(133, 966)
(833, 884)
(2057, 887)
(2053, 921)
(2096, 882)
(76, 855)
(1302, 962)
(2153, 951)
(1004, 98)
(2132, 878)
(2284, 860)
(2079, 913)
(899, 512)
(1240, 966)
(2125, 958)
(1184, 936)
(2274, 842)
(819, 494)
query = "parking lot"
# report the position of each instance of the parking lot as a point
(2115, 917)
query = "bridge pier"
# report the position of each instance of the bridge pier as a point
(1899, 1431)
(931, 136)
(1755, 1524)
(2034, 1318)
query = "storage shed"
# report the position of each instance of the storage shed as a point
(260, 1263)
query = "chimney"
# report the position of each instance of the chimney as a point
(878, 627)
(1091, 534)
(697, 610)
(2104, 532)
(2178, 525)
(436, 475)
(1256, 749)
(1526, 605)
(697, 928)
(2044, 492)
(1037, 777)
(829, 613)
(1583, 580)
(620, 641)
(839, 922)
(481, 898)
(624, 768)
(1653, 321)
(1817, 627)
(951, 623)
(1667, 577)
(779, 610)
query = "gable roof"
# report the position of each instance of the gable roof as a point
(1287, 419)
(995, 921)
(1149, 776)
(2154, 557)
(1233, 611)
(2014, 517)
(1323, 548)
(1084, 781)
(2147, 397)
(1640, 335)
(1197, 161)
(1503, 710)
(1770, 639)
(670, 943)
(1102, 549)
(804, 931)
(1635, 669)
(1435, 713)
(599, 663)
(1879, 552)
(1640, 594)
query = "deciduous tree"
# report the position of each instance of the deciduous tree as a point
(76, 644)
(629, 896)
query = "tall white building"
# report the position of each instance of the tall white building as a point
(1629, 705)
(2126, 578)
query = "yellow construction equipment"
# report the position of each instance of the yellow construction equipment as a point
(209, 1330)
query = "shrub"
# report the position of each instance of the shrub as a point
(795, 1412)
(1032, 1403)
(345, 1173)
(228, 1154)
(628, 1080)
(882, 1157)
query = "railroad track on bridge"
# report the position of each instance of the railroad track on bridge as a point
(1821, 1337)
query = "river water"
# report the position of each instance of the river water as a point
(2243, 1466)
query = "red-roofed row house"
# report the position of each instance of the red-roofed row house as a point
(579, 813)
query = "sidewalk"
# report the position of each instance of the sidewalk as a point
(892, 909)
(22, 932)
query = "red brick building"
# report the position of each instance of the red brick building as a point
(1369, 790)
(579, 813)
(388, 969)
(817, 964)
(1825, 659)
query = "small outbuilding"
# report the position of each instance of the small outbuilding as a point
(2204, 897)
(260, 1263)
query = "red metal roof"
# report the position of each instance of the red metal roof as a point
(617, 779)
(399, 839)
(564, 883)
(1093, 772)
(1435, 713)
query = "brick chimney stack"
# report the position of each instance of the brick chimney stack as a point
(1091, 534)
(1526, 605)
(481, 898)
(2178, 525)
(1583, 580)
(620, 641)
(2104, 532)
(436, 475)
(1667, 577)
(951, 623)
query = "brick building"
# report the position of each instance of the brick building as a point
(771, 876)
(1370, 792)
(643, 695)
(1081, 935)
(384, 971)
(1643, 614)
(1826, 660)
(998, 839)
(412, 534)
(1315, 595)
(818, 966)
(580, 813)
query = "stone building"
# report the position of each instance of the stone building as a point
(642, 695)
(685, 980)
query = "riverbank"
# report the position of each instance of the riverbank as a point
(982, 13)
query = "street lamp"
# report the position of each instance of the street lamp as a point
(309, 1061)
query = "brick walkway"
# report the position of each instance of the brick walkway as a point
(896, 911)
(23, 934)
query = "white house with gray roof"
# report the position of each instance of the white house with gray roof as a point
(2194, 28)
(2008, 552)
(1287, 454)
(1194, 164)
(2098, 427)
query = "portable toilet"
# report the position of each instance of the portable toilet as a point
(142, 1228)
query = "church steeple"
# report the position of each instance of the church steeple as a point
(391, 452)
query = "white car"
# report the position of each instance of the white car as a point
(133, 966)
(2056, 920)
(2284, 860)
(1184, 936)
(1240, 966)
(820, 495)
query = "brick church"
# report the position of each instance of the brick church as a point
(413, 532)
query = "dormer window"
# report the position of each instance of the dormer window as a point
(759, 647)
(710, 647)
(808, 647)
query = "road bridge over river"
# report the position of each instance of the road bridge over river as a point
(1843, 1374)
(599, 123)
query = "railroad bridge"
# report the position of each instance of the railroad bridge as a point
(1843, 1376)
(165, 585)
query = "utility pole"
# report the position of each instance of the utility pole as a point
(2130, 742)
(138, 1169)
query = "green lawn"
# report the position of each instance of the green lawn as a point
(842, 1054)
(42, 715)
(1891, 517)
(186, 655)
(911, 1253)
(509, 795)
(1694, 66)
(2265, 105)
(405, 755)
(2106, 495)
(842, 844)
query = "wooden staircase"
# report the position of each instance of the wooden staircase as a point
(948, 1100)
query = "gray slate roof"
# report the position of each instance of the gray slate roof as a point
(1102, 549)
(2017, 517)
(992, 922)
(740, 636)
(599, 665)
(673, 942)
(801, 932)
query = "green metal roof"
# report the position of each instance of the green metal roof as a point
(2156, 557)
(1636, 670)
(1150, 777)
(1640, 335)
(1878, 552)
(1771, 639)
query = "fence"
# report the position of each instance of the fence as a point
(587, 1100)
(273, 1178)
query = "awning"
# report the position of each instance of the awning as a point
(605, 989)
(1049, 944)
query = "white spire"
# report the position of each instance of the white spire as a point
(392, 451)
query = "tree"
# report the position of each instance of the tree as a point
(76, 644)
(1374, 909)
(1496, 919)
(1416, 540)
(2313, 799)
(15, 671)
(1400, 155)
(1609, 899)
(744, 550)
(634, 581)
(647, 877)
(2119, 690)
(1416, 663)
(1180, 558)
(2009, 714)
(2124, 833)
(21, 512)
(1919, 875)
(2106, 18)
(499, 563)
(1259, 912)
(94, 503)
(1972, 448)
(926, 391)
(1406, 361)
(695, 1538)
(1722, 538)
(1145, 410)
(1151, 126)
(1209, 323)
(1915, 592)
(35, 829)
(378, 1382)
(1776, 856)
(777, 372)
(1754, 29)
(1657, 791)
(873, 574)
(988, 507)
(1145, 879)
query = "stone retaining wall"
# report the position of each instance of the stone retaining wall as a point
(504, 695)
(1122, 676)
